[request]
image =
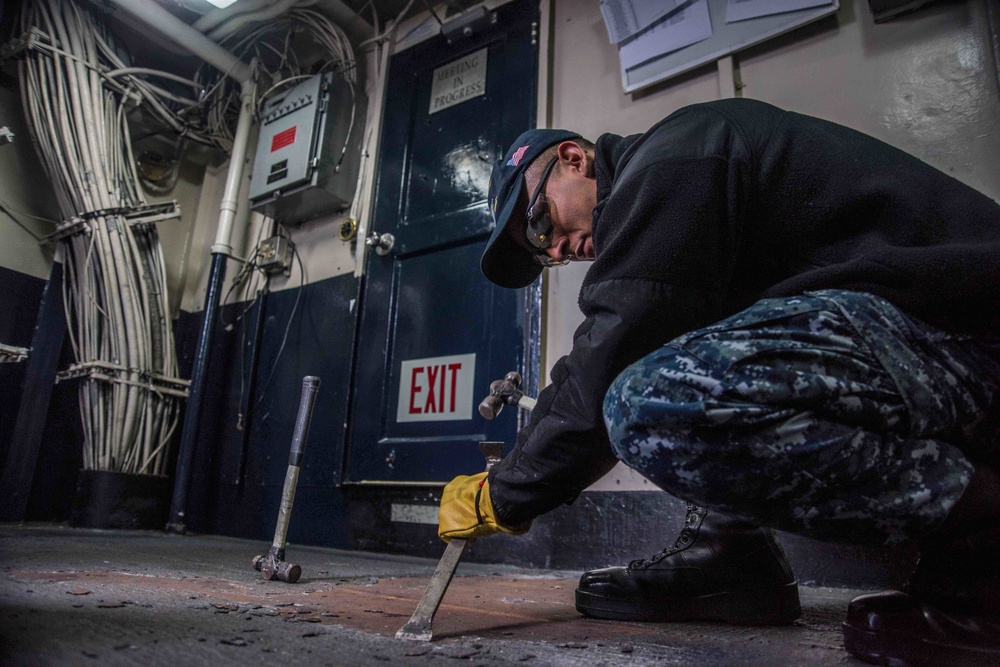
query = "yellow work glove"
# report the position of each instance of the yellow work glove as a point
(467, 512)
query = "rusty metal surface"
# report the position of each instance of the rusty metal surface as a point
(68, 597)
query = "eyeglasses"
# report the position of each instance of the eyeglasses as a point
(539, 227)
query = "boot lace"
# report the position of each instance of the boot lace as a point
(692, 522)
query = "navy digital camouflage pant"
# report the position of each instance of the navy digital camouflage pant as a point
(832, 415)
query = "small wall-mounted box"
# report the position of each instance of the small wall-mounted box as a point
(275, 255)
(308, 151)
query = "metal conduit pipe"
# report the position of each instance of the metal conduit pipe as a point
(199, 45)
(234, 177)
(219, 16)
(184, 35)
(220, 252)
(269, 12)
(185, 455)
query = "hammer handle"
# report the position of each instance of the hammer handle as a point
(285, 510)
(310, 385)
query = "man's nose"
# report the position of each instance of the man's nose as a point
(557, 250)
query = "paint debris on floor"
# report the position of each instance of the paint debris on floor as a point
(72, 597)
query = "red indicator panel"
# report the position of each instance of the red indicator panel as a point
(283, 138)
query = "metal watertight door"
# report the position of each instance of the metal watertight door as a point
(434, 332)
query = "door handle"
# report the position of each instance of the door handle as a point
(381, 242)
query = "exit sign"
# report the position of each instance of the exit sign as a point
(436, 389)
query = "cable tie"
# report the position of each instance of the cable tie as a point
(104, 213)
(68, 228)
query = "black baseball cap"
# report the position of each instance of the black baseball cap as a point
(507, 261)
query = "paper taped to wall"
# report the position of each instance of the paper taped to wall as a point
(688, 26)
(625, 18)
(742, 10)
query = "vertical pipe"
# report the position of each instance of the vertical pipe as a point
(220, 250)
(730, 84)
(251, 386)
(234, 178)
(182, 476)
(366, 210)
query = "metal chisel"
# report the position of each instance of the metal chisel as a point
(418, 628)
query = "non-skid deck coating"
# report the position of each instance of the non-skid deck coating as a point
(79, 597)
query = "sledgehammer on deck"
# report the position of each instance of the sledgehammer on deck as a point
(273, 565)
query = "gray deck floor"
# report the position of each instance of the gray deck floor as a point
(79, 597)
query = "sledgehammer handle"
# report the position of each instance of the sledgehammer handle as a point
(310, 385)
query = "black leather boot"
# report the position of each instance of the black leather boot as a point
(948, 613)
(719, 569)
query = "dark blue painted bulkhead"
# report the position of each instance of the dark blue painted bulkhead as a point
(40, 432)
(239, 466)
(19, 297)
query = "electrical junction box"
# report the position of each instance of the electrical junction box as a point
(308, 150)
(275, 255)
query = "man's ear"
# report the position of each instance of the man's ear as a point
(573, 158)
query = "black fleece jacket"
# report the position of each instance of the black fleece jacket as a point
(720, 205)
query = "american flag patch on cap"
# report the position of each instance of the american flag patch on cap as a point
(516, 157)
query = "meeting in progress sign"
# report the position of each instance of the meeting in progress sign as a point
(459, 81)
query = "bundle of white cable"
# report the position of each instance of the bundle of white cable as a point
(115, 282)
(77, 87)
(267, 40)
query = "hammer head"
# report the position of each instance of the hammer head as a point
(273, 566)
(501, 391)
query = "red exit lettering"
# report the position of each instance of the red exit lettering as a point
(433, 388)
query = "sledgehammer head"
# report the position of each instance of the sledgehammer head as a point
(273, 566)
(501, 391)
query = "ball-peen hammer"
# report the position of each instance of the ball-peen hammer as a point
(505, 392)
